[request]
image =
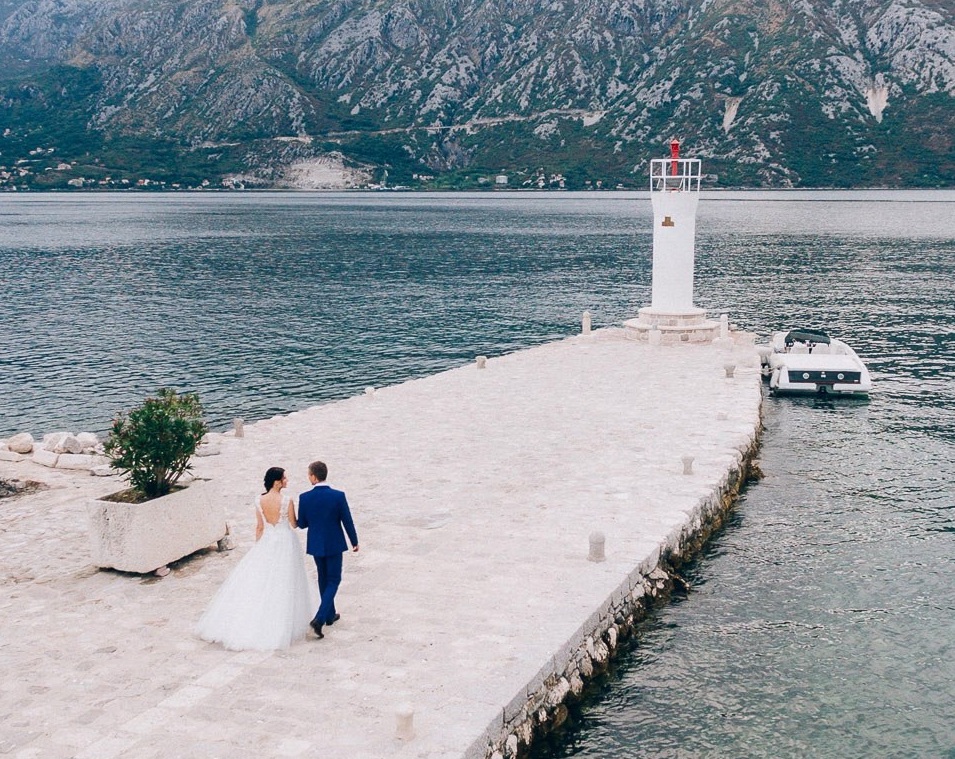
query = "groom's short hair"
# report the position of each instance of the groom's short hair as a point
(318, 470)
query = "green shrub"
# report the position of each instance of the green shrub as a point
(153, 443)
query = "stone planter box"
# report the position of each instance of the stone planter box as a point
(143, 537)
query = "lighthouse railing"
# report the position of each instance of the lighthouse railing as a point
(675, 174)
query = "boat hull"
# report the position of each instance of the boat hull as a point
(833, 369)
(780, 384)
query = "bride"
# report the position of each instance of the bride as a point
(266, 603)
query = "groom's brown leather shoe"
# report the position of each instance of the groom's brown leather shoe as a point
(317, 628)
(333, 620)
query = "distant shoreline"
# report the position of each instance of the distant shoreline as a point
(787, 193)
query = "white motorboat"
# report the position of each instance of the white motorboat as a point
(808, 361)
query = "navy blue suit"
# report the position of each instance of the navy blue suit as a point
(323, 511)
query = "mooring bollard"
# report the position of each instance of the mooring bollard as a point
(481, 362)
(687, 464)
(370, 392)
(597, 542)
(585, 323)
(404, 727)
(239, 426)
(730, 370)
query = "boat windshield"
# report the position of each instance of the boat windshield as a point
(806, 336)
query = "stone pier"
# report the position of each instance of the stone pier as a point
(514, 520)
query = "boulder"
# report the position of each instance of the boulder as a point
(69, 444)
(78, 461)
(45, 457)
(22, 443)
(103, 470)
(8, 455)
(89, 441)
(53, 440)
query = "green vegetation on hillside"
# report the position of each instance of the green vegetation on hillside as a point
(48, 142)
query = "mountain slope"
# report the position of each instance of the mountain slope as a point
(771, 93)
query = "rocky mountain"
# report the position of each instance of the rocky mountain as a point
(442, 93)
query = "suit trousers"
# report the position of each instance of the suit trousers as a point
(329, 578)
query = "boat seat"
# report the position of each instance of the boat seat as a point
(821, 348)
(799, 348)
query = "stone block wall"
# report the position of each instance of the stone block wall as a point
(543, 705)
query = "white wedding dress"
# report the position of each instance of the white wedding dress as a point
(267, 601)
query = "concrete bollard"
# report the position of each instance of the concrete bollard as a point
(370, 392)
(239, 426)
(687, 464)
(597, 542)
(585, 323)
(724, 326)
(481, 362)
(730, 370)
(404, 726)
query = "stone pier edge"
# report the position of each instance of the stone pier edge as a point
(542, 705)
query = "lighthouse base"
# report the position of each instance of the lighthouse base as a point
(654, 325)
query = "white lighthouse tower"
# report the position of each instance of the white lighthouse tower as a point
(675, 194)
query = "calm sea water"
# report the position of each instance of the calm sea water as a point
(821, 622)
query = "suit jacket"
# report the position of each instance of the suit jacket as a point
(323, 511)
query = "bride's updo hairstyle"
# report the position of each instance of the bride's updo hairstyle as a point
(273, 475)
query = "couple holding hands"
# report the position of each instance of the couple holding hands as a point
(267, 601)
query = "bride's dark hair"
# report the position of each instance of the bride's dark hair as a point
(273, 475)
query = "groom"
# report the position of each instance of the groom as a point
(323, 511)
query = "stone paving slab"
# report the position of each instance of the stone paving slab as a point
(474, 492)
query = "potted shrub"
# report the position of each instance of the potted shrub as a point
(155, 521)
(154, 442)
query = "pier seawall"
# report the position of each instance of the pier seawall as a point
(472, 613)
(542, 706)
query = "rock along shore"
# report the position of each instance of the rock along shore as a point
(474, 610)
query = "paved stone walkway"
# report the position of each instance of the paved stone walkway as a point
(474, 493)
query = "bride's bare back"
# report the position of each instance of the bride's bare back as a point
(270, 507)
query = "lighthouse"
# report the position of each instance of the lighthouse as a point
(675, 195)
